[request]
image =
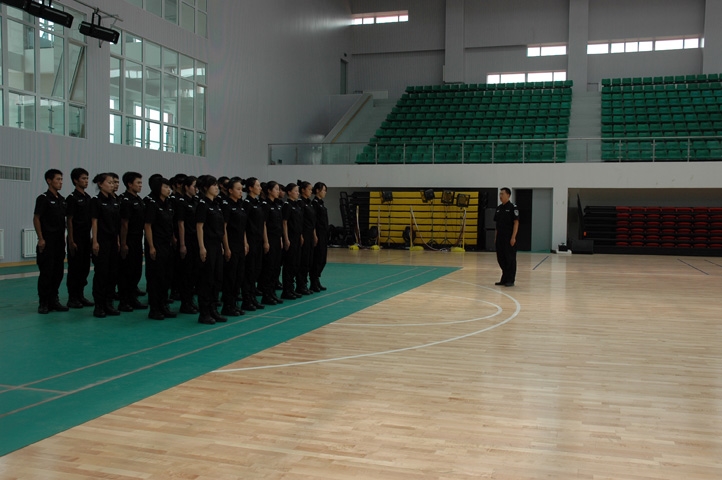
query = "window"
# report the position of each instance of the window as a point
(380, 17)
(526, 77)
(546, 51)
(191, 15)
(644, 46)
(157, 97)
(43, 75)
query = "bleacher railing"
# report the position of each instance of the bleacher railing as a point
(562, 150)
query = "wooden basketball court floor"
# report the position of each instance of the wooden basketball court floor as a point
(591, 367)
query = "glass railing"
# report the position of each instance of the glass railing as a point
(549, 150)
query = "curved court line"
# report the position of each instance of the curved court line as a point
(475, 319)
(398, 350)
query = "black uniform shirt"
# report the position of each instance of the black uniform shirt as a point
(159, 214)
(209, 213)
(254, 225)
(78, 207)
(274, 219)
(107, 211)
(186, 213)
(505, 215)
(235, 218)
(293, 215)
(309, 214)
(51, 210)
(321, 217)
(132, 208)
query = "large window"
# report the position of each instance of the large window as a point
(644, 46)
(157, 97)
(380, 17)
(192, 15)
(42, 73)
(526, 77)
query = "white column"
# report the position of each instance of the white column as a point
(454, 48)
(577, 44)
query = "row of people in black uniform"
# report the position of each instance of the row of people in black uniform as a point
(201, 237)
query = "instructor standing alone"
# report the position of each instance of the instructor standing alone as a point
(507, 226)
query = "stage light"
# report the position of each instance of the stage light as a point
(462, 200)
(447, 198)
(427, 195)
(15, 3)
(98, 31)
(47, 12)
(387, 196)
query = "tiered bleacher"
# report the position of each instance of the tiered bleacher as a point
(668, 118)
(664, 229)
(475, 123)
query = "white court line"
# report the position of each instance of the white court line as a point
(398, 350)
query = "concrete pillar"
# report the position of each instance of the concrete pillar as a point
(454, 53)
(577, 45)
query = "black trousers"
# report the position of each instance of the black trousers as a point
(304, 267)
(131, 269)
(210, 277)
(157, 276)
(233, 273)
(271, 266)
(51, 265)
(79, 266)
(291, 262)
(320, 254)
(106, 272)
(189, 271)
(506, 257)
(254, 263)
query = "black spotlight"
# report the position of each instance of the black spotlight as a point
(462, 200)
(427, 195)
(96, 30)
(47, 12)
(387, 196)
(447, 198)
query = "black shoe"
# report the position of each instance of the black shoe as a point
(257, 292)
(303, 291)
(230, 311)
(137, 305)
(266, 300)
(279, 286)
(98, 312)
(86, 302)
(206, 319)
(286, 295)
(246, 305)
(156, 315)
(139, 292)
(56, 306)
(296, 294)
(125, 307)
(167, 313)
(111, 310)
(43, 309)
(509, 284)
(75, 303)
(315, 288)
(275, 297)
(188, 308)
(217, 316)
(500, 283)
(257, 304)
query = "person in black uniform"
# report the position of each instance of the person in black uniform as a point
(210, 229)
(507, 226)
(49, 223)
(274, 236)
(292, 230)
(159, 246)
(132, 225)
(257, 246)
(235, 247)
(78, 212)
(320, 251)
(105, 225)
(175, 198)
(188, 240)
(309, 238)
